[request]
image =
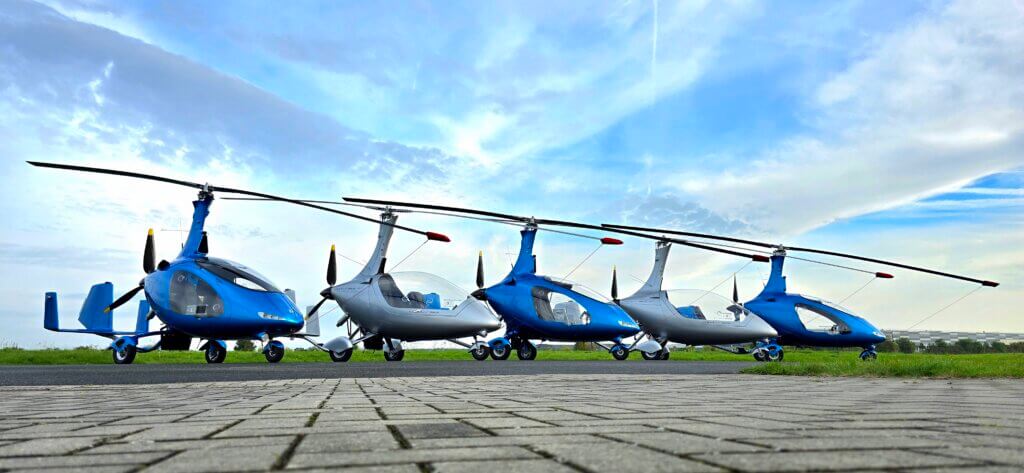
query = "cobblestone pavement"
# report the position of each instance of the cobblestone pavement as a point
(519, 423)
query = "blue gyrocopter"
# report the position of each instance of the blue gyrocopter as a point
(541, 307)
(195, 295)
(799, 319)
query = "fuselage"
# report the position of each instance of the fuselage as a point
(659, 318)
(215, 298)
(842, 329)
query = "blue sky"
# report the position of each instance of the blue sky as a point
(894, 129)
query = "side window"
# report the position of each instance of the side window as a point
(555, 307)
(817, 320)
(190, 295)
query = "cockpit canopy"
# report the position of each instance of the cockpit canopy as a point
(577, 287)
(416, 290)
(237, 274)
(704, 305)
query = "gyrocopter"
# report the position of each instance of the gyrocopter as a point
(793, 316)
(389, 308)
(195, 295)
(541, 307)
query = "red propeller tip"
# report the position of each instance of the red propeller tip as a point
(438, 237)
(884, 275)
(611, 241)
(761, 258)
(989, 283)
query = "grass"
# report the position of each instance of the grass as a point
(898, 365)
(798, 361)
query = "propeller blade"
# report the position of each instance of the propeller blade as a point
(204, 245)
(149, 254)
(332, 269)
(125, 298)
(312, 310)
(480, 270)
(150, 315)
(213, 188)
(615, 284)
(735, 290)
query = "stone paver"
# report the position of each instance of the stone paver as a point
(590, 423)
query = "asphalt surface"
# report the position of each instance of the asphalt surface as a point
(56, 375)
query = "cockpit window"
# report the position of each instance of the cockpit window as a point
(705, 305)
(190, 295)
(237, 274)
(818, 320)
(556, 307)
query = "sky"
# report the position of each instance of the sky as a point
(888, 129)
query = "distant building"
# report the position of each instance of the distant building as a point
(928, 337)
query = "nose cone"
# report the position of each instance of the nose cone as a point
(627, 326)
(758, 328)
(479, 317)
(294, 321)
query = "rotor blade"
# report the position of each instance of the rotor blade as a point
(436, 207)
(480, 271)
(149, 254)
(125, 298)
(332, 268)
(229, 190)
(811, 250)
(752, 256)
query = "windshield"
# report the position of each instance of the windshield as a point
(413, 289)
(826, 303)
(700, 304)
(237, 273)
(580, 288)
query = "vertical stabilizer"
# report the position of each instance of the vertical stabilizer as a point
(373, 265)
(142, 322)
(51, 319)
(92, 316)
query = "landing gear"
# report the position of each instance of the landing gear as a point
(396, 355)
(340, 357)
(775, 355)
(274, 351)
(760, 354)
(526, 351)
(215, 352)
(125, 355)
(869, 354)
(768, 351)
(501, 351)
(662, 354)
(619, 352)
(480, 352)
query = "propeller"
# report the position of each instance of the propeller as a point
(148, 265)
(735, 290)
(332, 277)
(480, 270)
(777, 247)
(615, 284)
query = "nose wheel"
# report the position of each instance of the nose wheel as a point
(501, 351)
(526, 351)
(619, 352)
(869, 355)
(396, 355)
(274, 352)
(340, 357)
(481, 352)
(769, 352)
(216, 353)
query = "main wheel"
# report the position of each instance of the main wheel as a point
(620, 352)
(215, 353)
(526, 351)
(501, 351)
(761, 354)
(340, 357)
(274, 353)
(396, 355)
(124, 356)
(481, 352)
(652, 356)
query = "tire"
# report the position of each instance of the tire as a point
(526, 351)
(778, 356)
(126, 356)
(501, 352)
(665, 353)
(215, 353)
(394, 355)
(619, 352)
(480, 353)
(340, 357)
(868, 355)
(652, 356)
(274, 354)
(760, 355)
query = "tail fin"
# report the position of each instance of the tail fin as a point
(51, 320)
(312, 323)
(92, 316)
(142, 322)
